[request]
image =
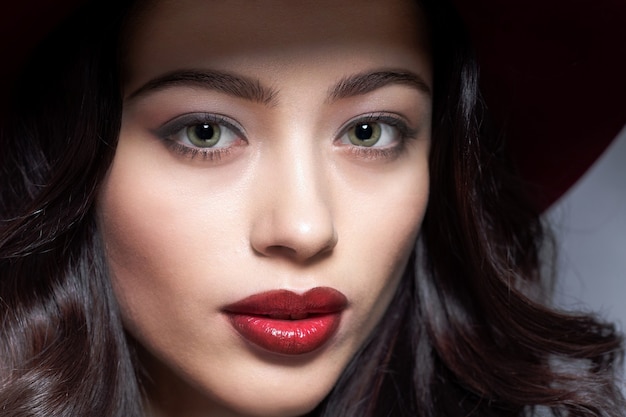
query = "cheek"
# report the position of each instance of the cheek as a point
(385, 223)
(155, 245)
(134, 234)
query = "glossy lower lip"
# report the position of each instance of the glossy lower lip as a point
(284, 322)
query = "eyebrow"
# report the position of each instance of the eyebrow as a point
(367, 82)
(252, 90)
(234, 85)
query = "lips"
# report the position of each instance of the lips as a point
(284, 322)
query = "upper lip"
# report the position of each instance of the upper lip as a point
(285, 304)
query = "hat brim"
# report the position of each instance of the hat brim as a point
(554, 78)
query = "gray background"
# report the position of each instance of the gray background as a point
(589, 222)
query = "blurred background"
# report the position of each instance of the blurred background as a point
(589, 224)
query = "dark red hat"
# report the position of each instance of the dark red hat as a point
(554, 78)
(553, 75)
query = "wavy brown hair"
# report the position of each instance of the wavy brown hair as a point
(462, 337)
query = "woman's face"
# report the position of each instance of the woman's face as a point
(268, 186)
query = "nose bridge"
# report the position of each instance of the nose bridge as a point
(296, 219)
(301, 173)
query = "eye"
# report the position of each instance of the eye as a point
(376, 131)
(365, 134)
(206, 135)
(201, 132)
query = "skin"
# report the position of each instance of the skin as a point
(288, 202)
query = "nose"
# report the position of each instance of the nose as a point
(294, 219)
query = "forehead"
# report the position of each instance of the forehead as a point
(172, 34)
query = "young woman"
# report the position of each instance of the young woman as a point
(274, 209)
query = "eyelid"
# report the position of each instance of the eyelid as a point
(392, 119)
(175, 125)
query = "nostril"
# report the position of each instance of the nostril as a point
(310, 253)
(282, 251)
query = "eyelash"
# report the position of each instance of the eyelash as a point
(170, 129)
(405, 133)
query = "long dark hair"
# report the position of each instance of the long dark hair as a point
(63, 351)
(464, 334)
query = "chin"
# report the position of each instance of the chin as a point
(289, 405)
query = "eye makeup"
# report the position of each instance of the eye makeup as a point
(211, 136)
(176, 135)
(376, 136)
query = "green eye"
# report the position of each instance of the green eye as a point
(205, 135)
(365, 134)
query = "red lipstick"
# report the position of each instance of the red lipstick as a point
(282, 321)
